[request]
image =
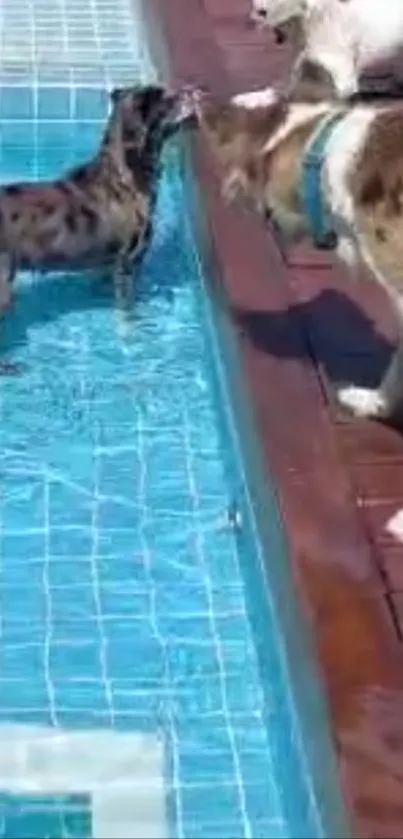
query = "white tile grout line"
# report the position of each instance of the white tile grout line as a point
(162, 644)
(96, 587)
(48, 605)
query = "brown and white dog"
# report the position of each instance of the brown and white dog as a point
(100, 212)
(260, 140)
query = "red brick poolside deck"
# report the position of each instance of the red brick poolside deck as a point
(302, 327)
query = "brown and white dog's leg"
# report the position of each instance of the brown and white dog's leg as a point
(363, 401)
(384, 402)
(391, 386)
(397, 75)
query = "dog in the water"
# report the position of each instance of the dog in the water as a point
(100, 212)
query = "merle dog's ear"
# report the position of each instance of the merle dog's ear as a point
(116, 94)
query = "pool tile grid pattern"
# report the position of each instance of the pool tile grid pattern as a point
(122, 599)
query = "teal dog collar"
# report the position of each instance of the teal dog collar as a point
(320, 224)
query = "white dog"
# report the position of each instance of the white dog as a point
(348, 38)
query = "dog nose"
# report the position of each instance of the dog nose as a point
(259, 14)
(195, 94)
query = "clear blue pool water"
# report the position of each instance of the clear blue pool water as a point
(123, 595)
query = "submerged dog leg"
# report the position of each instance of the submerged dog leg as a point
(7, 271)
(123, 287)
(123, 284)
(128, 260)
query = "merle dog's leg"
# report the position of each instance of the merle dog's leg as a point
(7, 272)
(128, 259)
(123, 284)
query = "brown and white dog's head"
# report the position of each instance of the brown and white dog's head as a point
(258, 140)
(238, 131)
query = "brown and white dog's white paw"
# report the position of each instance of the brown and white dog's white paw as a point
(363, 402)
(394, 526)
(263, 98)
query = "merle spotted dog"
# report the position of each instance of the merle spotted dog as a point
(100, 212)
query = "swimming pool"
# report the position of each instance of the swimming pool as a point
(143, 685)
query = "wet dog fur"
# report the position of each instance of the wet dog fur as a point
(100, 212)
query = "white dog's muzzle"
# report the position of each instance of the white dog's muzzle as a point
(259, 12)
(275, 12)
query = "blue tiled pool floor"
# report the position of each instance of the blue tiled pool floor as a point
(121, 596)
(72, 42)
(39, 816)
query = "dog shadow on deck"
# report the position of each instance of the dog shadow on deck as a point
(329, 331)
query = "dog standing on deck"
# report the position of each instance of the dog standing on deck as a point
(100, 212)
(262, 143)
(348, 38)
